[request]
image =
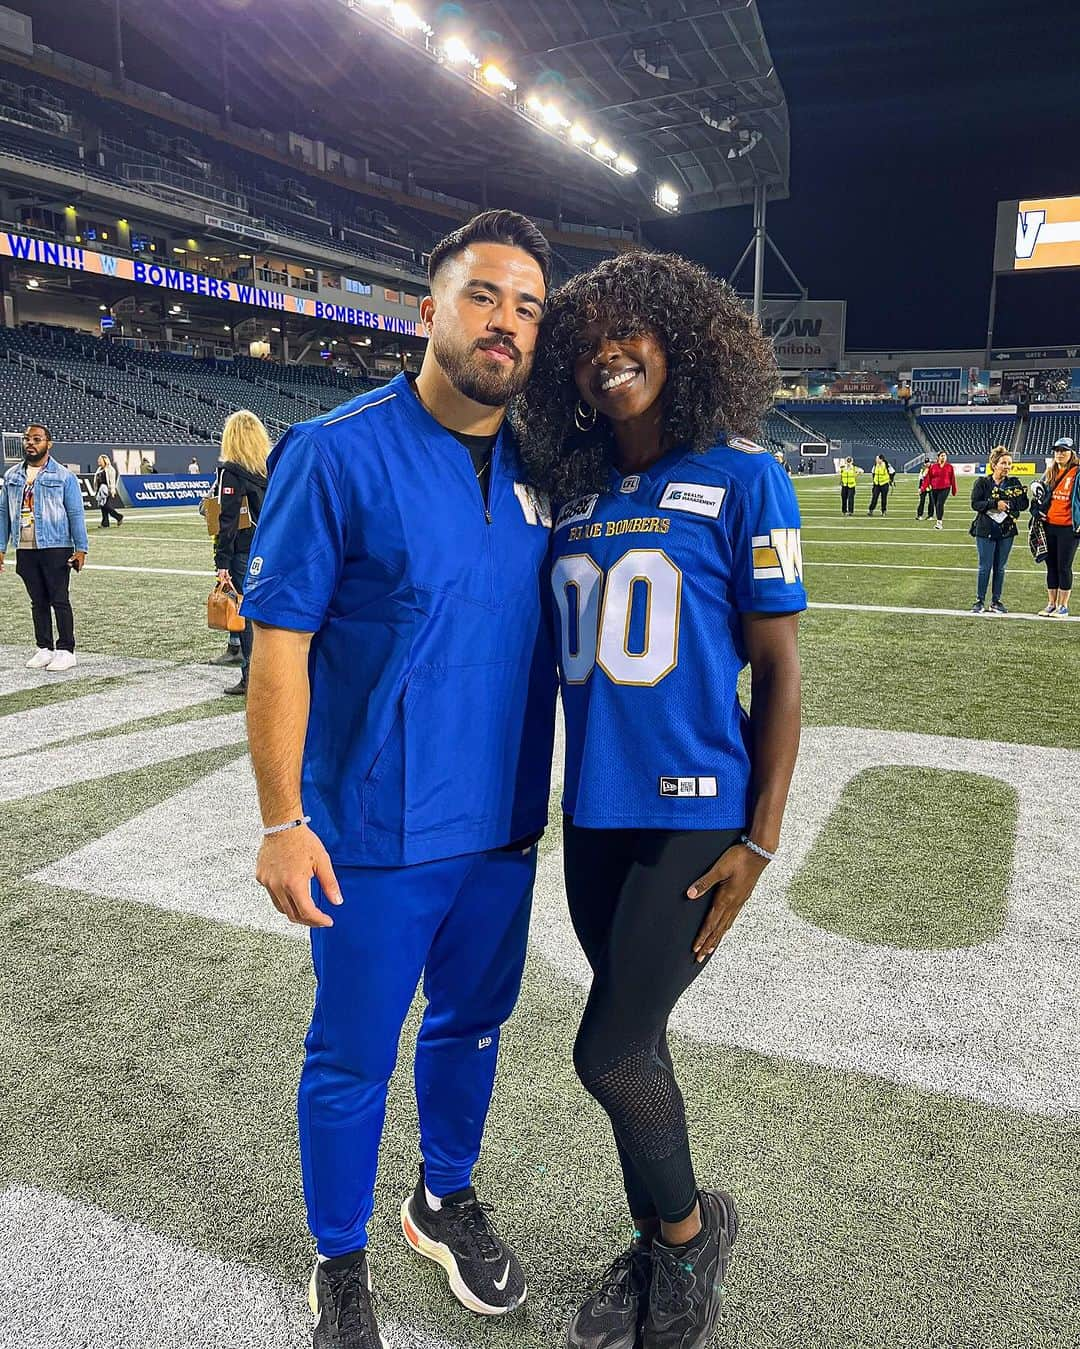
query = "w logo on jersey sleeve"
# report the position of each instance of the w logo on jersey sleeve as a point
(778, 556)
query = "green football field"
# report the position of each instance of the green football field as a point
(882, 1062)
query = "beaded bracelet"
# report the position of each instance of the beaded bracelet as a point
(289, 824)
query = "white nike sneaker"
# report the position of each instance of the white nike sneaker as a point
(40, 659)
(61, 660)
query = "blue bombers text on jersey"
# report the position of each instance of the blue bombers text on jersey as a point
(651, 579)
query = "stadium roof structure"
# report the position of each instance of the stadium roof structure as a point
(683, 91)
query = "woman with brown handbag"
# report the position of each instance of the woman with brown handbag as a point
(241, 487)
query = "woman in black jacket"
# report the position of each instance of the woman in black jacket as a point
(997, 499)
(241, 484)
(106, 478)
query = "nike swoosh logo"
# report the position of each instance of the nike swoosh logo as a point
(500, 1284)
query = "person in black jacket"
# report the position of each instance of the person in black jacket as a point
(241, 482)
(106, 478)
(997, 499)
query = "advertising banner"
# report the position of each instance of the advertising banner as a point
(810, 337)
(174, 489)
(936, 384)
(1040, 386)
(25, 249)
(962, 410)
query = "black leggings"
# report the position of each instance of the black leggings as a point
(627, 895)
(880, 493)
(847, 500)
(938, 498)
(1061, 544)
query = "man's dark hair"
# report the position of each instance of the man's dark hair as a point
(493, 227)
(41, 427)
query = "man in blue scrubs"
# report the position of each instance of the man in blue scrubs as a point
(400, 716)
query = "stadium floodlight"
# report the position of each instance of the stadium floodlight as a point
(409, 21)
(457, 52)
(602, 150)
(625, 166)
(33, 283)
(552, 115)
(493, 75)
(535, 103)
(581, 135)
(666, 198)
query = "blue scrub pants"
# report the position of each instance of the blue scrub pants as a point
(463, 923)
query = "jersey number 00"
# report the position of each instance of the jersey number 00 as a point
(595, 615)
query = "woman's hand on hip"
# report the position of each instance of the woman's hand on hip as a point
(731, 879)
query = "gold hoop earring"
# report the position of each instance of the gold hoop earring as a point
(584, 416)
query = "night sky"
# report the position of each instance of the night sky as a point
(909, 122)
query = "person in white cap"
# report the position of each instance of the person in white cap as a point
(1056, 500)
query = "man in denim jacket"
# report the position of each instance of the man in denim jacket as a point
(43, 514)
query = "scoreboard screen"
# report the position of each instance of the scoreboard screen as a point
(1039, 234)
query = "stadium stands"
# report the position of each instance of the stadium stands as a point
(968, 437)
(1043, 428)
(879, 429)
(89, 388)
(780, 433)
(62, 126)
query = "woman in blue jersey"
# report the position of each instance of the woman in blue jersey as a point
(675, 562)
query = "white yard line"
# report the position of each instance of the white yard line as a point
(915, 566)
(951, 613)
(149, 571)
(886, 543)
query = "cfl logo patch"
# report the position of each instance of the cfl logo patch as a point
(256, 566)
(485, 1042)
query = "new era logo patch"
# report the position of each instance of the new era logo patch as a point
(687, 786)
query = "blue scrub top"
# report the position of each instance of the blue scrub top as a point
(432, 664)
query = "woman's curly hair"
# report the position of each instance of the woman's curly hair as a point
(721, 368)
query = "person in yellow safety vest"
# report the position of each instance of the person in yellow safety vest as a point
(849, 475)
(881, 476)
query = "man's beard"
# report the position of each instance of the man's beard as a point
(473, 377)
(35, 456)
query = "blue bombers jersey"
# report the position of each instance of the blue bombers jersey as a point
(651, 579)
(431, 667)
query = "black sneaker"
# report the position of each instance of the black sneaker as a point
(339, 1295)
(687, 1290)
(229, 657)
(977, 607)
(239, 689)
(484, 1273)
(997, 607)
(611, 1317)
